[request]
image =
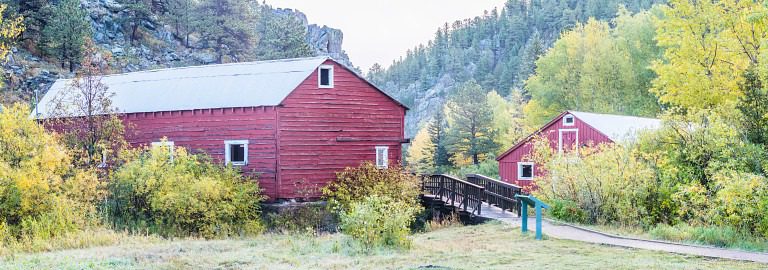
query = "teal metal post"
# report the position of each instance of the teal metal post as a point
(524, 212)
(538, 221)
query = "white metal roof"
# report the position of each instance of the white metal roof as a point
(618, 127)
(262, 83)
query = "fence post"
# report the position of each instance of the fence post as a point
(453, 192)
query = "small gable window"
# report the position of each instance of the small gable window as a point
(525, 170)
(568, 120)
(325, 76)
(382, 157)
(236, 152)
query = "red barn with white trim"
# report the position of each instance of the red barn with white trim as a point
(568, 130)
(293, 122)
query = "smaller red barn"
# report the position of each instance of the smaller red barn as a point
(566, 131)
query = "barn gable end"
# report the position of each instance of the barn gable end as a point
(585, 129)
(324, 130)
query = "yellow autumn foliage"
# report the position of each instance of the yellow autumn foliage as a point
(41, 194)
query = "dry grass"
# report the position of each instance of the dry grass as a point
(93, 237)
(488, 246)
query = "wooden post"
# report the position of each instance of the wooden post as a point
(524, 211)
(538, 221)
(453, 192)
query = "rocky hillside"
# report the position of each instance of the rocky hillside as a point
(28, 70)
(498, 50)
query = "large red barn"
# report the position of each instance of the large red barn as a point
(294, 122)
(568, 130)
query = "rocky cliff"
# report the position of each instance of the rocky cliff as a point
(26, 72)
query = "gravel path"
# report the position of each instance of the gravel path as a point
(585, 235)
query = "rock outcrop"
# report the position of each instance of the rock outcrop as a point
(26, 73)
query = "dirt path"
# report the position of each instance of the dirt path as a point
(585, 235)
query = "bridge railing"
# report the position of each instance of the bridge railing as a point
(457, 192)
(498, 193)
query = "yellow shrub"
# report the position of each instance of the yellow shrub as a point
(355, 184)
(41, 195)
(183, 195)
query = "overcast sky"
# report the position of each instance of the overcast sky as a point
(381, 31)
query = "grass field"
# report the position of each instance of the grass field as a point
(487, 246)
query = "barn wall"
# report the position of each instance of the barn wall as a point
(508, 164)
(324, 130)
(206, 130)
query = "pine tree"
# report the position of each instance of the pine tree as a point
(65, 34)
(227, 28)
(181, 14)
(437, 138)
(138, 12)
(471, 131)
(36, 14)
(282, 36)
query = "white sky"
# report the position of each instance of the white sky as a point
(382, 31)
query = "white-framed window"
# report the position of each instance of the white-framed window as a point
(236, 152)
(382, 157)
(325, 76)
(569, 120)
(168, 144)
(525, 170)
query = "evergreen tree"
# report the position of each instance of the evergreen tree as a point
(65, 34)
(138, 12)
(36, 14)
(471, 131)
(436, 130)
(754, 106)
(281, 36)
(181, 14)
(227, 28)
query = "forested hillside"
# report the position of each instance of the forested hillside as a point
(497, 50)
(133, 35)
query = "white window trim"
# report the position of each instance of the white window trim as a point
(520, 170)
(169, 144)
(385, 159)
(330, 76)
(227, 157)
(560, 138)
(567, 116)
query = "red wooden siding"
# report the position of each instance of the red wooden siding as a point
(508, 163)
(206, 130)
(296, 147)
(324, 130)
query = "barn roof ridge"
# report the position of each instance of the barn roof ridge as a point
(231, 85)
(214, 65)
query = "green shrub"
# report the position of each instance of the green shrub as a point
(567, 211)
(721, 236)
(355, 184)
(41, 195)
(379, 221)
(183, 195)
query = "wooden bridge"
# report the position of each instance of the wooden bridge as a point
(468, 195)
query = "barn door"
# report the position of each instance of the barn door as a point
(568, 139)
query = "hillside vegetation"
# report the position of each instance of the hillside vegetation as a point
(498, 50)
(137, 35)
